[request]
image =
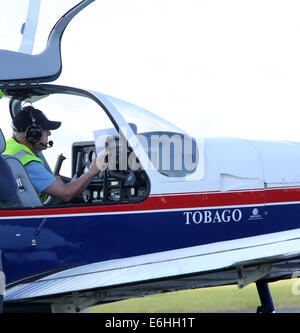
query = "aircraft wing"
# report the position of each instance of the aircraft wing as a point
(164, 265)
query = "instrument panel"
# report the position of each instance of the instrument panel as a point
(110, 186)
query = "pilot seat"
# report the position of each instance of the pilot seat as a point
(16, 189)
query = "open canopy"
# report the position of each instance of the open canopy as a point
(21, 68)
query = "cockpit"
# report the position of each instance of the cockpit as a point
(141, 144)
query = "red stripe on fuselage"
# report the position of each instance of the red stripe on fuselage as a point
(173, 201)
(282, 195)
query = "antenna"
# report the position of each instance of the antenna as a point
(29, 28)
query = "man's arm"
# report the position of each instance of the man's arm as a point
(66, 192)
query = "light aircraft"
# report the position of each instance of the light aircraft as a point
(173, 213)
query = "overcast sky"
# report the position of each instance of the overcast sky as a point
(212, 67)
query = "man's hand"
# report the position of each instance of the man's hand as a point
(98, 164)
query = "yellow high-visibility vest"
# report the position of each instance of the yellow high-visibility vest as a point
(24, 155)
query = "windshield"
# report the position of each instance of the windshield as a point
(172, 152)
(144, 120)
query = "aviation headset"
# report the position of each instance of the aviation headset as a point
(33, 132)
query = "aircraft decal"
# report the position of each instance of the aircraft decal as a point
(208, 216)
(255, 215)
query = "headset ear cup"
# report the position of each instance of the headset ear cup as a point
(33, 133)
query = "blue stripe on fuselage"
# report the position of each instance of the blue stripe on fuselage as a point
(65, 241)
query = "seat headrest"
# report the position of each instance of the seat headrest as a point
(2, 142)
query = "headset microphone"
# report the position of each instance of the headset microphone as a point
(48, 144)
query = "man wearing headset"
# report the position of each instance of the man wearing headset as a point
(31, 130)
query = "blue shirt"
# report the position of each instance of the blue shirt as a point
(40, 177)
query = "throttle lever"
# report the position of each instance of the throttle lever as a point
(58, 164)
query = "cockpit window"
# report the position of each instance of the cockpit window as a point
(144, 120)
(172, 152)
(79, 116)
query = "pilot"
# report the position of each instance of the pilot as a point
(31, 130)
